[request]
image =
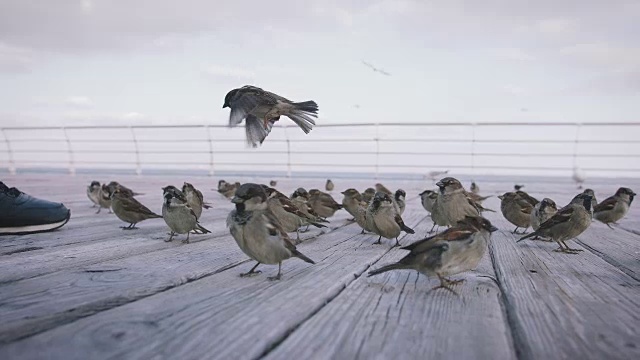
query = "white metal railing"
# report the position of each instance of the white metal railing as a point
(545, 148)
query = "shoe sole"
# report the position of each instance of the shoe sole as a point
(33, 229)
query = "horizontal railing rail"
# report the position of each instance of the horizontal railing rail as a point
(548, 148)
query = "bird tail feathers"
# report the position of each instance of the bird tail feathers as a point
(201, 228)
(300, 255)
(386, 268)
(302, 114)
(535, 233)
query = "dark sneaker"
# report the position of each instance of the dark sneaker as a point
(24, 214)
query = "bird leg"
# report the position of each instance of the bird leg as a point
(515, 231)
(397, 242)
(570, 249)
(446, 284)
(279, 276)
(186, 241)
(610, 227)
(433, 227)
(298, 241)
(379, 240)
(170, 237)
(362, 232)
(99, 208)
(127, 227)
(351, 220)
(251, 272)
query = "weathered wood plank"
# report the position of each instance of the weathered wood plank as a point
(565, 306)
(220, 315)
(397, 315)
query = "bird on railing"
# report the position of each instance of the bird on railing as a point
(261, 109)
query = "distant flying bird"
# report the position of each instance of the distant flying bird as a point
(261, 109)
(376, 69)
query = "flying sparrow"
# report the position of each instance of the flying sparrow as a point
(194, 199)
(517, 210)
(93, 192)
(569, 222)
(453, 203)
(433, 175)
(258, 232)
(178, 214)
(322, 203)
(261, 109)
(383, 218)
(517, 187)
(615, 207)
(329, 185)
(457, 249)
(542, 212)
(474, 188)
(129, 210)
(399, 200)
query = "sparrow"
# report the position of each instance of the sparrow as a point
(104, 198)
(615, 207)
(381, 188)
(228, 190)
(453, 204)
(428, 198)
(569, 222)
(329, 185)
(594, 202)
(194, 199)
(261, 109)
(129, 210)
(178, 214)
(123, 189)
(93, 192)
(399, 200)
(257, 231)
(542, 211)
(300, 199)
(290, 217)
(528, 198)
(578, 176)
(322, 203)
(455, 250)
(361, 217)
(474, 188)
(368, 194)
(351, 201)
(273, 183)
(516, 210)
(477, 198)
(383, 218)
(517, 187)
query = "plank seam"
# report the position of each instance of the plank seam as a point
(609, 260)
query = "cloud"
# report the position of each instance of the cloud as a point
(557, 26)
(603, 55)
(217, 71)
(516, 54)
(78, 101)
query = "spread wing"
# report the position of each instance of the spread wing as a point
(256, 132)
(246, 100)
(608, 204)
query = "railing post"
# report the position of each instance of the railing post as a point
(211, 166)
(575, 145)
(12, 164)
(286, 136)
(473, 150)
(135, 144)
(377, 140)
(72, 167)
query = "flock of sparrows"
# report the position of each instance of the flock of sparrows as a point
(264, 217)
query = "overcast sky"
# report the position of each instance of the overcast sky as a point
(69, 62)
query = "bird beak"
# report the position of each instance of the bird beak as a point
(493, 229)
(439, 184)
(237, 200)
(500, 197)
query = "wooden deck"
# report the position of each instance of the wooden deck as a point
(93, 291)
